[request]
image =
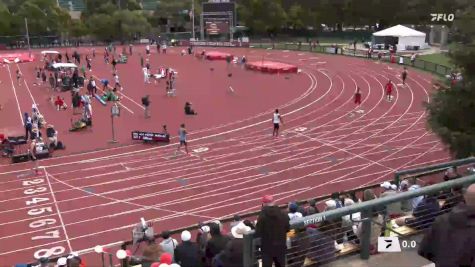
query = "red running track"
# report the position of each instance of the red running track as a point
(96, 197)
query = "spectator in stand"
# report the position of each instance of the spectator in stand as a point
(272, 227)
(423, 215)
(312, 207)
(449, 242)
(393, 210)
(75, 261)
(368, 194)
(334, 226)
(406, 205)
(187, 254)
(453, 199)
(236, 221)
(151, 253)
(216, 244)
(202, 239)
(232, 255)
(336, 197)
(321, 245)
(250, 224)
(351, 221)
(376, 223)
(168, 244)
(293, 211)
(165, 258)
(451, 174)
(297, 244)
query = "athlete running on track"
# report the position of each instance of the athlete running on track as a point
(182, 135)
(358, 97)
(277, 120)
(389, 90)
(404, 76)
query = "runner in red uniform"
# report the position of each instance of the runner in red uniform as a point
(389, 90)
(358, 96)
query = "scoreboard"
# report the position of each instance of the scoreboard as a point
(218, 16)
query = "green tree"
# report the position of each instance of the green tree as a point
(451, 111)
(262, 15)
(121, 24)
(44, 17)
(171, 13)
(131, 23)
(6, 21)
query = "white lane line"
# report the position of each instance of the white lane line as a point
(29, 91)
(58, 210)
(16, 96)
(313, 85)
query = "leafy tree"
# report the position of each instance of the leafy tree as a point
(6, 21)
(262, 15)
(44, 17)
(451, 110)
(78, 29)
(131, 23)
(296, 16)
(171, 13)
(120, 24)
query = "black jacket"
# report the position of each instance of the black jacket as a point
(187, 254)
(450, 242)
(272, 227)
(231, 256)
(217, 242)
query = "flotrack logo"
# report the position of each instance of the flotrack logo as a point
(442, 17)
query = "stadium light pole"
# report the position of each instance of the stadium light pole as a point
(27, 37)
(193, 18)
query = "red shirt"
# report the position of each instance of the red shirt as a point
(59, 102)
(389, 87)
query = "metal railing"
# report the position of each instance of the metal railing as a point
(330, 227)
(356, 193)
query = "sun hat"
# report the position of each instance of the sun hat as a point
(330, 204)
(239, 230)
(62, 261)
(185, 236)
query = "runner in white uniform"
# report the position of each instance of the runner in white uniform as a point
(277, 120)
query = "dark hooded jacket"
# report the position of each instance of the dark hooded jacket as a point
(450, 242)
(272, 227)
(187, 254)
(217, 242)
(231, 256)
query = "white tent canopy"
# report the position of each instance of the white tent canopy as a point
(407, 37)
(64, 65)
(49, 52)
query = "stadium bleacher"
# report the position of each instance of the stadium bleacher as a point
(72, 5)
(331, 234)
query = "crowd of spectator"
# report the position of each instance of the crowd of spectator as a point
(447, 218)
